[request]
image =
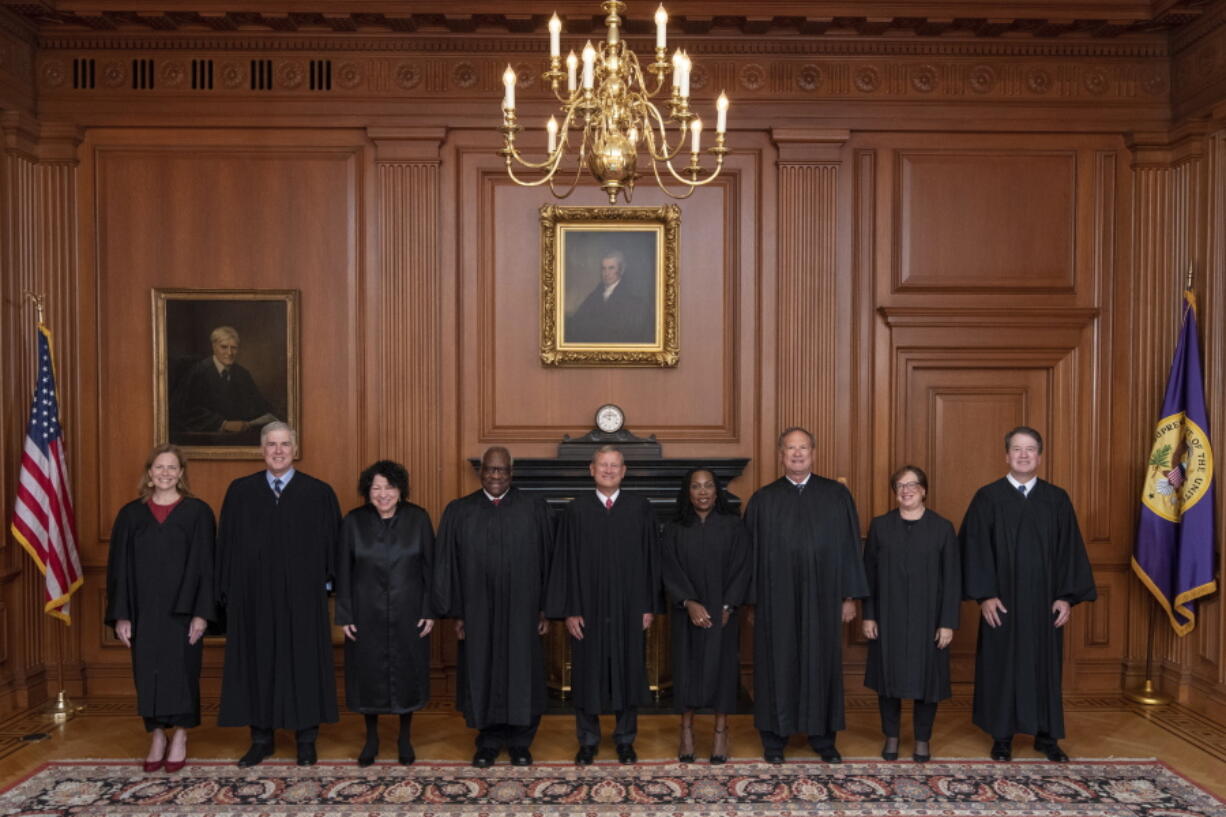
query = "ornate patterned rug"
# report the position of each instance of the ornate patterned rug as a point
(93, 788)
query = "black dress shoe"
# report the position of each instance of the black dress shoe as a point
(625, 753)
(718, 760)
(886, 753)
(484, 758)
(1002, 750)
(924, 756)
(520, 756)
(366, 759)
(918, 758)
(255, 755)
(773, 756)
(1052, 749)
(306, 754)
(585, 755)
(831, 755)
(685, 758)
(407, 758)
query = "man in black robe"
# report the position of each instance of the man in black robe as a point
(275, 551)
(1024, 562)
(808, 570)
(218, 394)
(491, 562)
(613, 312)
(604, 581)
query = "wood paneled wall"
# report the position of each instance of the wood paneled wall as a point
(910, 250)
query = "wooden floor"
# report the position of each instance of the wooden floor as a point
(1099, 727)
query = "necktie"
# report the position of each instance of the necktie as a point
(276, 487)
(225, 376)
(608, 503)
(800, 487)
(1022, 489)
(497, 500)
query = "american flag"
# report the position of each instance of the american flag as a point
(43, 521)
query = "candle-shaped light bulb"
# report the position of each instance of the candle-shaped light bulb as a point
(572, 71)
(685, 75)
(721, 119)
(661, 27)
(677, 68)
(555, 36)
(695, 133)
(551, 128)
(508, 79)
(589, 66)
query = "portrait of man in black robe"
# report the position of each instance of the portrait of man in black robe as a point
(218, 395)
(807, 571)
(491, 565)
(1024, 562)
(275, 549)
(605, 581)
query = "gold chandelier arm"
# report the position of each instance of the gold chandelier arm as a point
(694, 182)
(655, 170)
(667, 154)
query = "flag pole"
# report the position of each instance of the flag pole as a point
(1148, 692)
(61, 708)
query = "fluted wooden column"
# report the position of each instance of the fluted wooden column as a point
(812, 321)
(38, 232)
(406, 288)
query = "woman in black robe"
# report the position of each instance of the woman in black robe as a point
(383, 605)
(705, 562)
(159, 599)
(912, 563)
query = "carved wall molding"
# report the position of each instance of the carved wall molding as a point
(102, 78)
(1198, 72)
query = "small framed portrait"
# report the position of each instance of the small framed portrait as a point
(225, 363)
(609, 285)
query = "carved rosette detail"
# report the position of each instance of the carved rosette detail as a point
(464, 75)
(290, 74)
(525, 76)
(1154, 83)
(408, 75)
(349, 75)
(1038, 81)
(925, 79)
(173, 74)
(54, 73)
(982, 79)
(752, 76)
(700, 77)
(867, 79)
(1095, 81)
(114, 74)
(233, 75)
(809, 77)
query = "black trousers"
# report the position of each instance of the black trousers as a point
(587, 726)
(505, 735)
(261, 734)
(923, 715)
(773, 741)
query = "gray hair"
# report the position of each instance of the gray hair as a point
(277, 425)
(223, 332)
(608, 449)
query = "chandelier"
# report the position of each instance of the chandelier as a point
(608, 118)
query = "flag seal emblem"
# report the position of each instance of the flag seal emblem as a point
(1180, 468)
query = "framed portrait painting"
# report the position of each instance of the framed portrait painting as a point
(225, 363)
(609, 285)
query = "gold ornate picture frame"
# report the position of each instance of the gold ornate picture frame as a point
(225, 362)
(609, 285)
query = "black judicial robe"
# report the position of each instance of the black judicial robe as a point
(806, 561)
(605, 569)
(491, 566)
(383, 587)
(915, 586)
(1028, 552)
(158, 576)
(707, 562)
(274, 560)
(205, 400)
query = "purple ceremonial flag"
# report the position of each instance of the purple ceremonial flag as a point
(1174, 551)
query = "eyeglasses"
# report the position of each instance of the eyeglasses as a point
(906, 486)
